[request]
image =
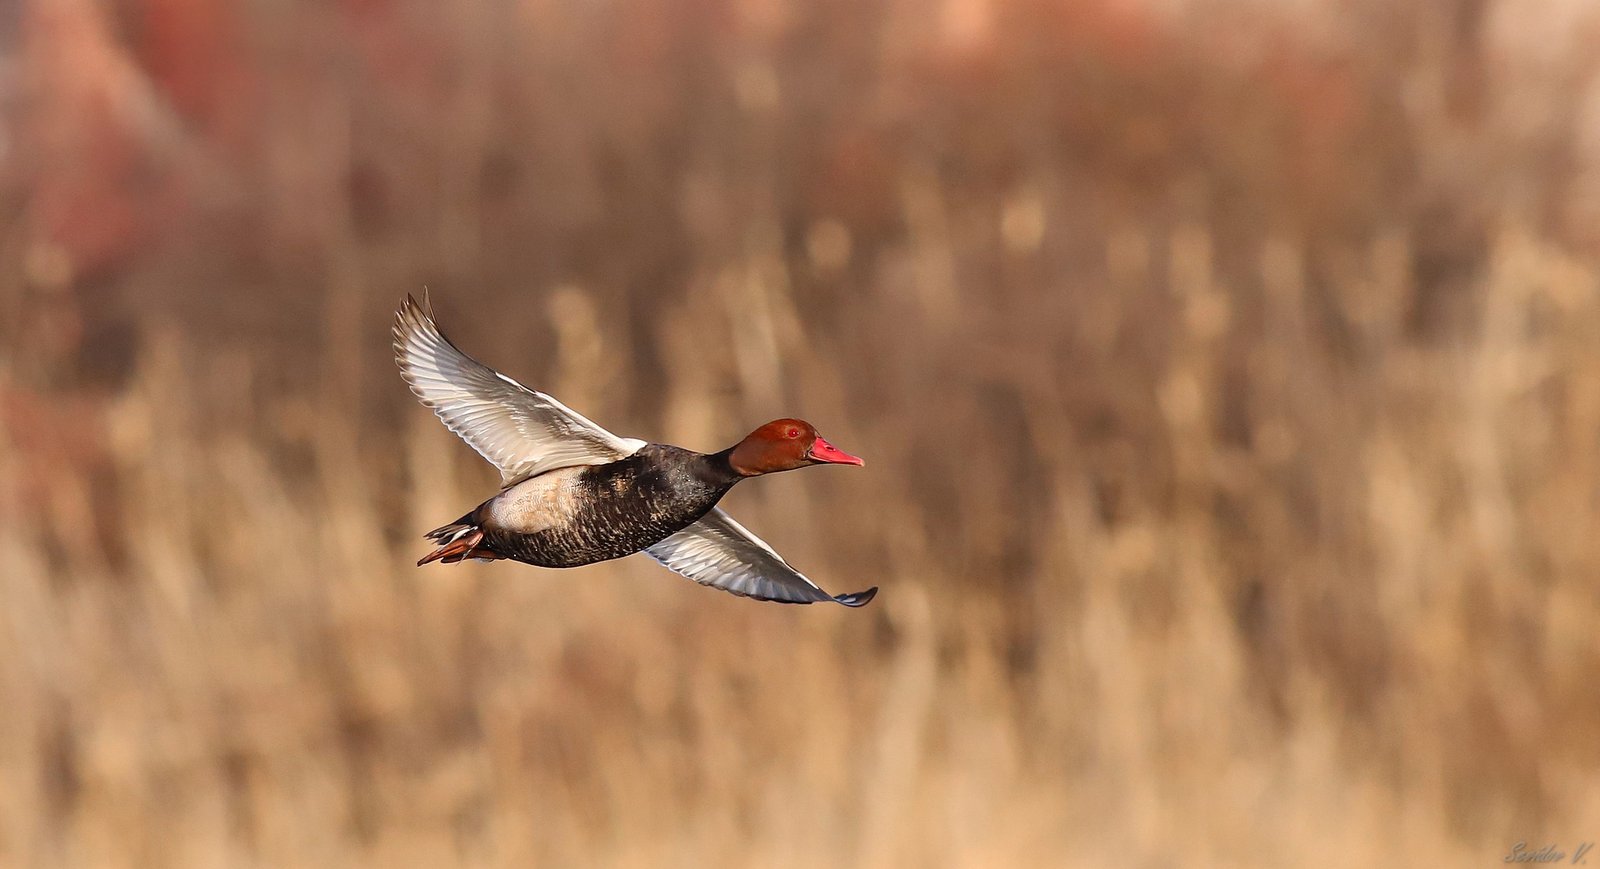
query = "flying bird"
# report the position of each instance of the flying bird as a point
(573, 493)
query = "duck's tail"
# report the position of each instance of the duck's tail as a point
(458, 541)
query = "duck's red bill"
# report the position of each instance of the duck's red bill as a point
(822, 451)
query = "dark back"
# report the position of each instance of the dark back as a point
(626, 506)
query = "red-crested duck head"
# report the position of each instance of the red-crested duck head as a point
(783, 445)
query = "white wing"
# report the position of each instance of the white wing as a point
(520, 431)
(719, 552)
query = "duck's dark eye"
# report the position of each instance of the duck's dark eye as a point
(794, 433)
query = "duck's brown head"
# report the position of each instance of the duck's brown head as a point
(783, 445)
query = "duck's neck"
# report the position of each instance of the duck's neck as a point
(717, 468)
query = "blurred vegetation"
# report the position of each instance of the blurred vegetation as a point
(1226, 373)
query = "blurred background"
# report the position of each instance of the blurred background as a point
(1228, 375)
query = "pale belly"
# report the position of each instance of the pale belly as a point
(544, 502)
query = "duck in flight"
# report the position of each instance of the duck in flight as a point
(573, 493)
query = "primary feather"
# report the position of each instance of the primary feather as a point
(721, 553)
(521, 431)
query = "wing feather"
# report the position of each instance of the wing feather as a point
(521, 431)
(721, 553)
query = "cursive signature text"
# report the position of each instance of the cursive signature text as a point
(1548, 854)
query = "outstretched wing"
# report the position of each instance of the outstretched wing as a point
(519, 430)
(721, 553)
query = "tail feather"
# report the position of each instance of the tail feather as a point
(453, 530)
(458, 541)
